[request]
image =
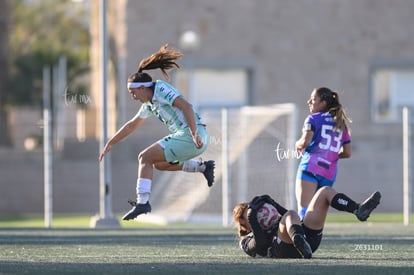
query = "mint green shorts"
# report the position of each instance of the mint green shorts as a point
(179, 147)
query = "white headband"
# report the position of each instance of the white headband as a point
(138, 84)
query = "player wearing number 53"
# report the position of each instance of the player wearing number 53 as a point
(325, 139)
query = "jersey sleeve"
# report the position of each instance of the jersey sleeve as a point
(248, 244)
(309, 124)
(144, 111)
(166, 94)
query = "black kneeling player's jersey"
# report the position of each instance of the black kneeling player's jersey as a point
(259, 243)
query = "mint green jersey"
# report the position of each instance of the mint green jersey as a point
(161, 106)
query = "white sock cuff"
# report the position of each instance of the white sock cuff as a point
(143, 185)
(192, 166)
(143, 198)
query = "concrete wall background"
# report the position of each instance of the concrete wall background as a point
(297, 46)
(294, 46)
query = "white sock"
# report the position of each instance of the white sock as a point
(193, 166)
(143, 190)
(143, 198)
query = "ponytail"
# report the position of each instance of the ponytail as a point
(334, 107)
(164, 60)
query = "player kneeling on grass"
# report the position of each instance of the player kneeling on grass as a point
(188, 135)
(290, 237)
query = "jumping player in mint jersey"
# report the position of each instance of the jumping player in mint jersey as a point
(325, 139)
(188, 135)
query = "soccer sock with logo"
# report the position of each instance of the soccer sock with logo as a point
(342, 202)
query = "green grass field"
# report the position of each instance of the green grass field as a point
(71, 247)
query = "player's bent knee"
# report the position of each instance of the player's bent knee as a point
(324, 189)
(327, 190)
(140, 156)
(293, 215)
(290, 213)
(144, 157)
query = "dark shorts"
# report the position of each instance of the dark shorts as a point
(281, 249)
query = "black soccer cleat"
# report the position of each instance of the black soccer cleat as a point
(138, 209)
(302, 246)
(366, 207)
(209, 171)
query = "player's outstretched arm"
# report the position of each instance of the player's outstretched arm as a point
(122, 133)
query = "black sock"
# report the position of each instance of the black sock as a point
(295, 229)
(342, 202)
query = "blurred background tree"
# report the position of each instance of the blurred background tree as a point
(39, 32)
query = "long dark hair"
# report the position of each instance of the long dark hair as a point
(334, 107)
(164, 59)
